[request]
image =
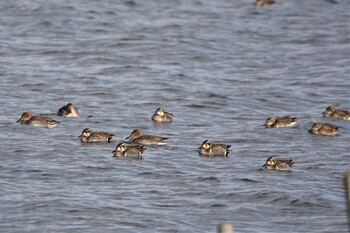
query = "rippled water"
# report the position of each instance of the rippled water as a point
(221, 67)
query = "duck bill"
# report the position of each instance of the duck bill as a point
(128, 137)
(19, 120)
(80, 135)
(264, 165)
(114, 151)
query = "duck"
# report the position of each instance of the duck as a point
(28, 119)
(325, 129)
(332, 112)
(161, 116)
(273, 163)
(68, 111)
(89, 136)
(209, 149)
(137, 137)
(262, 3)
(278, 122)
(130, 151)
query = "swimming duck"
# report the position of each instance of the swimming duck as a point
(277, 122)
(336, 113)
(68, 111)
(123, 150)
(273, 163)
(89, 136)
(28, 119)
(160, 116)
(325, 129)
(209, 149)
(137, 137)
(264, 3)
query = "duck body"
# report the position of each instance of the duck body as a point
(138, 138)
(262, 3)
(28, 119)
(129, 151)
(68, 111)
(160, 116)
(273, 163)
(209, 149)
(332, 112)
(324, 129)
(278, 122)
(89, 136)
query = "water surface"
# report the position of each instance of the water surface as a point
(220, 67)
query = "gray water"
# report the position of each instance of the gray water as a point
(221, 67)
